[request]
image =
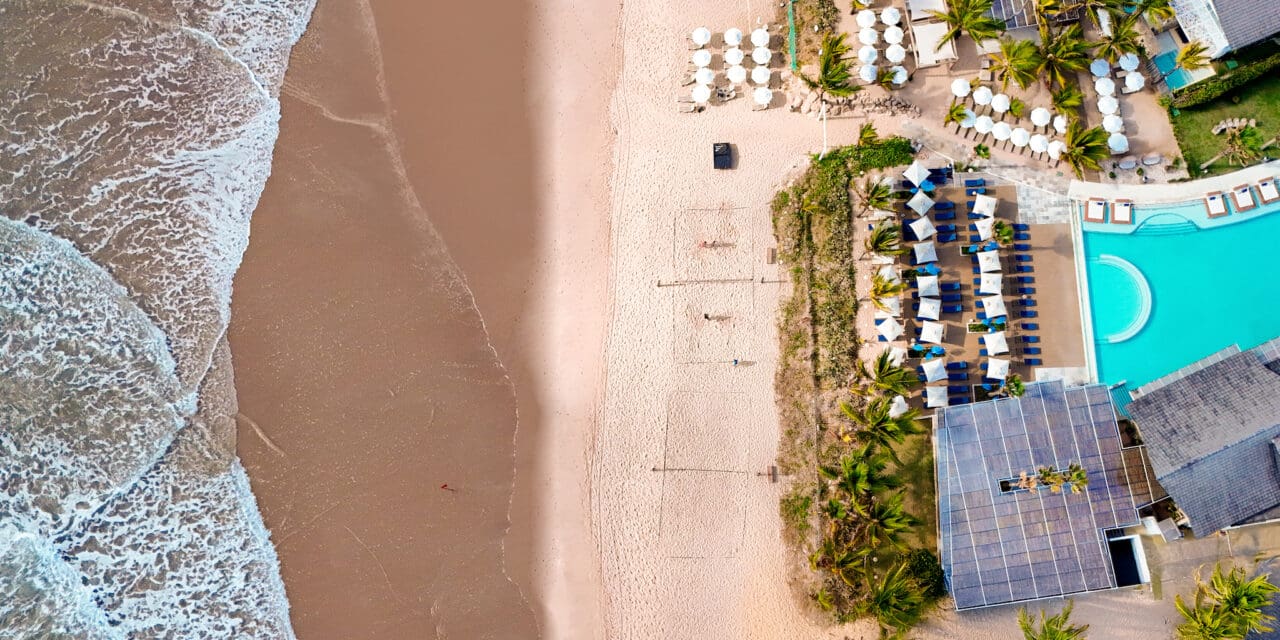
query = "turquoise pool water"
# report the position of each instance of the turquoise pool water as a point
(1176, 80)
(1171, 293)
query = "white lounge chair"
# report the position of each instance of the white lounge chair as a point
(1268, 191)
(1243, 196)
(1122, 212)
(1216, 206)
(1096, 210)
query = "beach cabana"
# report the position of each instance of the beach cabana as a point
(935, 397)
(930, 49)
(925, 252)
(1268, 191)
(1095, 210)
(892, 307)
(991, 283)
(923, 228)
(960, 88)
(996, 343)
(920, 203)
(898, 406)
(1243, 198)
(1214, 203)
(916, 173)
(985, 226)
(1122, 212)
(889, 328)
(1100, 68)
(930, 309)
(928, 286)
(889, 274)
(988, 261)
(997, 368)
(1129, 61)
(935, 370)
(994, 306)
(932, 332)
(922, 9)
(985, 205)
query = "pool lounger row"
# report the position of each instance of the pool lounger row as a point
(1095, 210)
(1268, 191)
(1243, 198)
(1215, 204)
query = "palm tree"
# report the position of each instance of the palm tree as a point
(874, 193)
(1016, 108)
(1016, 61)
(877, 427)
(982, 151)
(834, 77)
(1049, 477)
(895, 601)
(955, 115)
(882, 287)
(1191, 57)
(891, 378)
(1157, 10)
(1124, 39)
(1067, 100)
(1003, 233)
(1244, 145)
(970, 18)
(835, 558)
(885, 239)
(836, 511)
(1086, 148)
(886, 521)
(1243, 599)
(1096, 8)
(1057, 627)
(867, 135)
(1059, 56)
(1077, 477)
(1013, 384)
(861, 475)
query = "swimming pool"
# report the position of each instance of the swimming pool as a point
(1178, 287)
(1179, 78)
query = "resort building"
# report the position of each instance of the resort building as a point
(1000, 542)
(1212, 432)
(1227, 25)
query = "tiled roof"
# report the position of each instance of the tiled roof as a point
(1247, 21)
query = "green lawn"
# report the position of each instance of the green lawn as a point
(1194, 126)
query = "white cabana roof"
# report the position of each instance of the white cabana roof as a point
(1099, 68)
(916, 173)
(935, 397)
(894, 305)
(920, 202)
(997, 368)
(898, 406)
(989, 261)
(930, 309)
(923, 228)
(984, 204)
(928, 286)
(889, 273)
(985, 227)
(935, 370)
(890, 328)
(994, 306)
(925, 252)
(1129, 61)
(919, 9)
(928, 35)
(991, 283)
(931, 331)
(996, 343)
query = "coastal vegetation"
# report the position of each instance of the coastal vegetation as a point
(861, 508)
(1259, 102)
(1229, 606)
(1055, 627)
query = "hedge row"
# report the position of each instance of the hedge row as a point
(1210, 89)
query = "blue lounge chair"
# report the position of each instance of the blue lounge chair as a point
(944, 238)
(973, 227)
(977, 270)
(946, 228)
(944, 215)
(976, 216)
(1027, 303)
(982, 315)
(918, 332)
(882, 338)
(993, 381)
(974, 192)
(957, 388)
(969, 204)
(1017, 226)
(952, 297)
(957, 366)
(1021, 257)
(973, 237)
(915, 295)
(1033, 351)
(1026, 279)
(1033, 362)
(949, 286)
(982, 352)
(1030, 326)
(1028, 314)
(931, 269)
(977, 281)
(1021, 236)
(987, 386)
(952, 308)
(958, 377)
(1029, 291)
(944, 206)
(1024, 268)
(975, 182)
(1030, 339)
(915, 306)
(984, 366)
(1021, 247)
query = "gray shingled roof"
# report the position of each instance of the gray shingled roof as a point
(1209, 436)
(1245, 22)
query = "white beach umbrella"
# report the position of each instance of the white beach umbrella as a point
(1134, 81)
(868, 73)
(1060, 123)
(890, 329)
(960, 87)
(898, 406)
(701, 93)
(734, 56)
(866, 18)
(983, 124)
(1108, 105)
(1040, 117)
(928, 285)
(895, 53)
(867, 55)
(988, 261)
(991, 284)
(935, 370)
(982, 96)
(702, 57)
(891, 16)
(969, 119)
(868, 36)
(760, 37)
(762, 55)
(994, 306)
(900, 74)
(893, 35)
(923, 228)
(763, 96)
(916, 173)
(925, 252)
(1039, 143)
(930, 309)
(935, 397)
(1100, 68)
(1113, 123)
(733, 37)
(1056, 147)
(985, 227)
(1104, 86)
(1118, 143)
(997, 368)
(761, 75)
(704, 75)
(985, 205)
(1001, 131)
(1000, 103)
(932, 332)
(701, 36)
(1020, 137)
(1129, 61)
(893, 307)
(737, 74)
(890, 274)
(996, 343)
(920, 202)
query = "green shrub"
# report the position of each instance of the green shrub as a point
(795, 511)
(924, 568)
(1211, 88)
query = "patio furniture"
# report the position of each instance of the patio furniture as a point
(1024, 268)
(1033, 362)
(1268, 191)
(1021, 236)
(1021, 247)
(1030, 326)
(1018, 226)
(1021, 257)
(1028, 314)
(976, 182)
(957, 377)
(1243, 198)
(1031, 350)
(1122, 212)
(1095, 210)
(1026, 279)
(1027, 302)
(1030, 339)
(1214, 204)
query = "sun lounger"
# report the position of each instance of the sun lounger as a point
(1026, 279)
(1268, 190)
(1024, 268)
(944, 238)
(1030, 339)
(1214, 204)
(1122, 212)
(973, 227)
(949, 286)
(944, 215)
(1243, 198)
(952, 297)
(977, 270)
(958, 388)
(1030, 326)
(976, 182)
(1033, 362)
(945, 205)
(1018, 226)
(1035, 351)
(1021, 247)
(977, 281)
(975, 238)
(976, 216)
(1021, 236)
(1028, 314)
(1021, 257)
(957, 377)
(957, 366)
(945, 228)
(958, 400)
(1095, 210)
(982, 352)
(982, 315)
(969, 204)
(1027, 303)
(974, 192)
(1027, 291)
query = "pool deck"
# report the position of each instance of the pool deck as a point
(1172, 192)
